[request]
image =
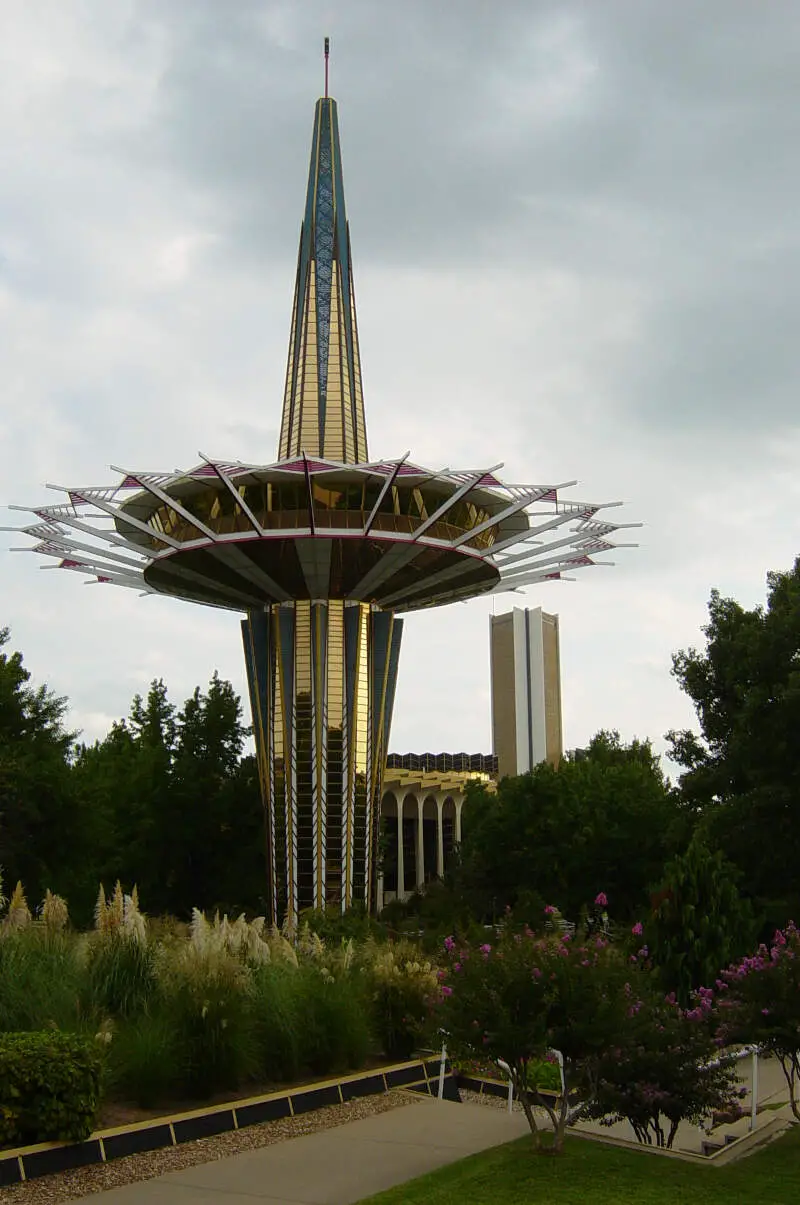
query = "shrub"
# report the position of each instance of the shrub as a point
(662, 1071)
(403, 987)
(121, 965)
(145, 1062)
(277, 1022)
(333, 925)
(334, 1015)
(49, 1087)
(758, 1000)
(517, 1000)
(542, 1074)
(208, 1001)
(39, 980)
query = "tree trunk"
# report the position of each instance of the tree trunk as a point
(790, 1065)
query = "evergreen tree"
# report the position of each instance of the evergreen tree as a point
(126, 779)
(211, 834)
(43, 831)
(700, 923)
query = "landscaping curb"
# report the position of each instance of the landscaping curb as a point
(496, 1087)
(45, 1158)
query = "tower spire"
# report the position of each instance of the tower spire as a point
(327, 55)
(323, 406)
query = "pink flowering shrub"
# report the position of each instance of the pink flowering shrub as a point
(519, 999)
(758, 1000)
(663, 1068)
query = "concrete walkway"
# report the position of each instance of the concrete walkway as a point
(336, 1166)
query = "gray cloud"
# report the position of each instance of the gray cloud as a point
(575, 249)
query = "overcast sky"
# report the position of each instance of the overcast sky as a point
(575, 243)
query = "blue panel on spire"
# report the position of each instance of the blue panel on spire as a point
(323, 254)
(344, 258)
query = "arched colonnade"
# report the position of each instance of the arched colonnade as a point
(420, 827)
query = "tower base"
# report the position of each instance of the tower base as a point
(322, 678)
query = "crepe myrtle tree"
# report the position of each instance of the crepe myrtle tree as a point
(666, 1066)
(664, 1069)
(528, 994)
(758, 1000)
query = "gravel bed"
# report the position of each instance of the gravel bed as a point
(66, 1186)
(476, 1098)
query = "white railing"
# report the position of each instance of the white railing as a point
(737, 1056)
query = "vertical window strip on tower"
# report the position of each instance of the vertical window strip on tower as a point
(323, 257)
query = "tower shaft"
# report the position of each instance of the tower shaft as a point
(323, 406)
(322, 680)
(322, 673)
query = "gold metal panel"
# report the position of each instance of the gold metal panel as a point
(288, 393)
(504, 725)
(334, 417)
(335, 663)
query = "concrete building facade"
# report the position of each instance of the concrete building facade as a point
(423, 797)
(526, 690)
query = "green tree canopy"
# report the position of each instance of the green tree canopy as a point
(126, 780)
(743, 771)
(606, 820)
(177, 804)
(212, 831)
(699, 922)
(42, 831)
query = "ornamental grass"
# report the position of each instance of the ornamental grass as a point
(181, 1012)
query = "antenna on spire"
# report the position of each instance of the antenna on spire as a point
(327, 53)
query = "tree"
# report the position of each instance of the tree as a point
(516, 1001)
(605, 819)
(759, 1001)
(43, 830)
(126, 780)
(661, 1071)
(210, 836)
(699, 922)
(743, 771)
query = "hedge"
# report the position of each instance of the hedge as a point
(49, 1087)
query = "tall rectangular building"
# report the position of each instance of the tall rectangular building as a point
(526, 690)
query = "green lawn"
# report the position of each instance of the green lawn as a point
(590, 1174)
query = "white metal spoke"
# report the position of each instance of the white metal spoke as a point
(116, 513)
(518, 559)
(174, 504)
(226, 481)
(390, 480)
(455, 497)
(527, 498)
